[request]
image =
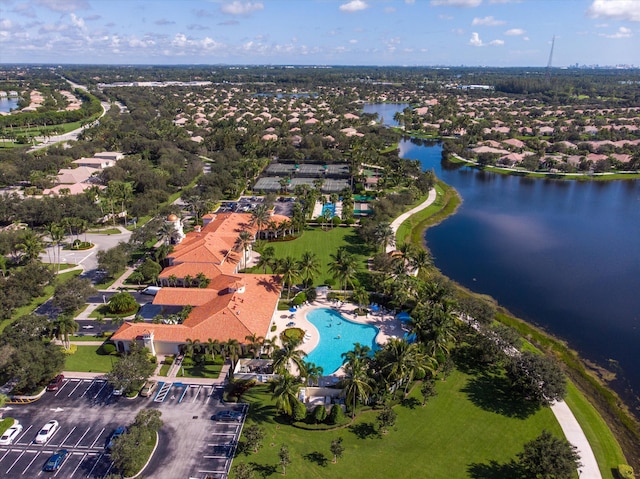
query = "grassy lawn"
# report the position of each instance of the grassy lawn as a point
(107, 231)
(88, 337)
(323, 244)
(471, 423)
(210, 369)
(164, 370)
(102, 312)
(606, 449)
(88, 359)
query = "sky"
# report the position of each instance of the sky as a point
(500, 33)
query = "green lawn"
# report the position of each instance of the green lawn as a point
(210, 369)
(323, 244)
(88, 359)
(458, 434)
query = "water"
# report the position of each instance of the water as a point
(329, 207)
(337, 336)
(8, 104)
(385, 111)
(564, 255)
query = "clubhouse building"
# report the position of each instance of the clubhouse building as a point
(232, 305)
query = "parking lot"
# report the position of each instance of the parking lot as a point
(191, 444)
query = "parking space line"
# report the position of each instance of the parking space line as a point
(74, 389)
(22, 436)
(197, 393)
(183, 393)
(108, 470)
(72, 429)
(5, 454)
(85, 433)
(76, 468)
(98, 437)
(61, 387)
(98, 393)
(94, 465)
(32, 461)
(15, 462)
(87, 390)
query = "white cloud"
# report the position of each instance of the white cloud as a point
(354, 6)
(618, 9)
(353, 41)
(445, 17)
(526, 39)
(514, 32)
(456, 3)
(458, 31)
(622, 32)
(389, 9)
(475, 40)
(496, 43)
(78, 22)
(488, 21)
(240, 8)
(409, 2)
(63, 5)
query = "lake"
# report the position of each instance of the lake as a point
(564, 255)
(8, 104)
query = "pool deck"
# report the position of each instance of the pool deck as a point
(385, 321)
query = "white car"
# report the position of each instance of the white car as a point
(10, 434)
(46, 432)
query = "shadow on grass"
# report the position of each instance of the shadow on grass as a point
(494, 393)
(364, 430)
(317, 458)
(264, 470)
(494, 470)
(410, 403)
(263, 413)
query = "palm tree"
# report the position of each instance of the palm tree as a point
(360, 296)
(192, 347)
(245, 238)
(172, 280)
(356, 382)
(202, 280)
(255, 344)
(187, 280)
(62, 327)
(359, 351)
(313, 373)
(284, 389)
(309, 265)
(288, 268)
(260, 217)
(344, 267)
(269, 345)
(31, 246)
(419, 259)
(266, 259)
(212, 347)
(384, 235)
(233, 350)
(401, 361)
(284, 357)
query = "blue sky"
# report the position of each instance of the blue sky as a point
(331, 32)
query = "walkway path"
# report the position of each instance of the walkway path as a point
(395, 224)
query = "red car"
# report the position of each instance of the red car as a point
(55, 383)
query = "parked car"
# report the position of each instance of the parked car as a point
(227, 416)
(10, 434)
(151, 290)
(114, 435)
(117, 392)
(148, 388)
(56, 383)
(46, 432)
(56, 460)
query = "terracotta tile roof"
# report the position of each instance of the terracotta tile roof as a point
(184, 296)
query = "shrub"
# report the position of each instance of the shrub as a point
(300, 298)
(107, 349)
(319, 413)
(122, 303)
(299, 411)
(625, 471)
(168, 360)
(311, 294)
(73, 348)
(336, 415)
(292, 334)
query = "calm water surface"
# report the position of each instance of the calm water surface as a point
(564, 255)
(8, 104)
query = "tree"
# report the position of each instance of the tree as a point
(319, 413)
(308, 265)
(242, 470)
(337, 449)
(132, 369)
(31, 246)
(548, 457)
(288, 268)
(192, 347)
(62, 327)
(285, 458)
(132, 449)
(254, 435)
(289, 355)
(149, 270)
(255, 343)
(312, 372)
(284, 389)
(244, 240)
(356, 382)
(113, 260)
(384, 236)
(33, 364)
(266, 259)
(386, 418)
(121, 303)
(427, 390)
(70, 295)
(343, 266)
(360, 296)
(537, 378)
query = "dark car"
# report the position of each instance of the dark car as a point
(55, 383)
(227, 416)
(55, 461)
(116, 434)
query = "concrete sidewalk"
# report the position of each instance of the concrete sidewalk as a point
(395, 224)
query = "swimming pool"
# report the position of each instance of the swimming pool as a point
(330, 208)
(337, 336)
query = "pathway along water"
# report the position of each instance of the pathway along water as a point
(564, 255)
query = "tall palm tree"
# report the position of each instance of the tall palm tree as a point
(360, 296)
(192, 347)
(287, 356)
(288, 268)
(313, 373)
(266, 259)
(344, 266)
(260, 217)
(356, 382)
(384, 235)
(269, 345)
(419, 259)
(245, 238)
(309, 266)
(213, 347)
(63, 326)
(255, 344)
(284, 389)
(31, 246)
(401, 361)
(359, 351)
(233, 350)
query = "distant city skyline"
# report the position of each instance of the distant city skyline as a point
(501, 33)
